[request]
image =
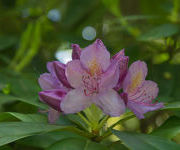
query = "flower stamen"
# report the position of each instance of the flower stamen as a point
(91, 84)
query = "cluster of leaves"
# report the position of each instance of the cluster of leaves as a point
(28, 39)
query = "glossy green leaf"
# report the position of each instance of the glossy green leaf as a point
(137, 141)
(8, 116)
(77, 144)
(117, 146)
(47, 139)
(12, 131)
(169, 129)
(9, 98)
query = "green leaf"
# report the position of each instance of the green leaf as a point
(77, 144)
(94, 114)
(77, 120)
(113, 7)
(9, 98)
(34, 46)
(137, 141)
(172, 106)
(169, 129)
(12, 131)
(8, 116)
(117, 146)
(162, 31)
(47, 139)
(64, 121)
(25, 39)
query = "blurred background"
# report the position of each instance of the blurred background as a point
(33, 32)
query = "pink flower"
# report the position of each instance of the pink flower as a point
(51, 86)
(138, 93)
(55, 85)
(93, 77)
(123, 67)
(89, 78)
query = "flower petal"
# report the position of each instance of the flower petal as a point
(110, 102)
(47, 82)
(75, 101)
(123, 67)
(118, 55)
(74, 73)
(76, 51)
(140, 109)
(146, 93)
(95, 57)
(51, 69)
(53, 115)
(59, 71)
(135, 77)
(110, 78)
(52, 97)
(141, 101)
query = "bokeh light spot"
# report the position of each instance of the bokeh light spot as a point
(54, 15)
(89, 33)
(64, 56)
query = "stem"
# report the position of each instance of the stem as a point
(103, 121)
(108, 132)
(34, 47)
(84, 119)
(25, 39)
(122, 120)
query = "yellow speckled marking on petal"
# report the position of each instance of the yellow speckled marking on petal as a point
(135, 81)
(94, 67)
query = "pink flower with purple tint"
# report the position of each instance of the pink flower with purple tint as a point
(138, 93)
(93, 77)
(89, 78)
(55, 85)
(123, 66)
(76, 51)
(52, 87)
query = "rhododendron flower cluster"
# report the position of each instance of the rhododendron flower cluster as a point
(92, 77)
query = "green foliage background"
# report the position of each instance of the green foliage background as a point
(149, 30)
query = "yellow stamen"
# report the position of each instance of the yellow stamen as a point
(135, 81)
(94, 67)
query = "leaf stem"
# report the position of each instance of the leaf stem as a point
(84, 119)
(103, 121)
(122, 120)
(108, 132)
